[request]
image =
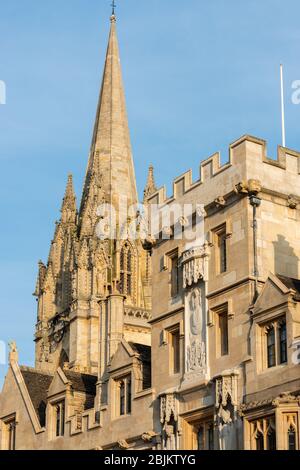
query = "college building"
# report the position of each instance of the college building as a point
(162, 341)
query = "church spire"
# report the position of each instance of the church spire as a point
(110, 162)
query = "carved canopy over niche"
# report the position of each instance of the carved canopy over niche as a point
(195, 265)
(168, 408)
(226, 388)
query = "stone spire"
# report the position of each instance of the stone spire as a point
(150, 186)
(68, 210)
(110, 164)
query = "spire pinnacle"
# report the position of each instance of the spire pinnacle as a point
(150, 186)
(68, 209)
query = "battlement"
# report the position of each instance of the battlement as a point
(248, 159)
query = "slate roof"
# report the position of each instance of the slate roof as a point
(37, 384)
(291, 283)
(82, 382)
(145, 357)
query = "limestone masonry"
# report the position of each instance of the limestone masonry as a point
(166, 343)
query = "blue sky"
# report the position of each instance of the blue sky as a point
(198, 75)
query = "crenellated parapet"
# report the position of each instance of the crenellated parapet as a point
(247, 157)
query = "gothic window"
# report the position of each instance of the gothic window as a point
(205, 435)
(124, 396)
(174, 276)
(271, 439)
(283, 343)
(127, 262)
(271, 347)
(291, 430)
(263, 434)
(221, 249)
(259, 441)
(59, 419)
(222, 333)
(174, 335)
(10, 434)
(275, 343)
(291, 439)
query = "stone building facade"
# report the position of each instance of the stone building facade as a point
(162, 341)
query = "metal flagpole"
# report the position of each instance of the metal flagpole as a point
(282, 106)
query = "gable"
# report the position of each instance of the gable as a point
(273, 293)
(10, 389)
(123, 357)
(15, 399)
(59, 383)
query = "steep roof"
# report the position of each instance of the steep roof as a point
(291, 283)
(145, 357)
(110, 160)
(82, 382)
(37, 384)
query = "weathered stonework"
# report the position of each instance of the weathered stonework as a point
(167, 343)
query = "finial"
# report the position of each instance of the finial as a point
(113, 16)
(13, 352)
(150, 186)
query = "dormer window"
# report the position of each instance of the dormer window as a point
(124, 395)
(59, 411)
(275, 343)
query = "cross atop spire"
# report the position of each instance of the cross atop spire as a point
(113, 5)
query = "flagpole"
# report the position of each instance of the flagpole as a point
(282, 106)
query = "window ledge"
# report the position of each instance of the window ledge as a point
(269, 370)
(121, 418)
(143, 393)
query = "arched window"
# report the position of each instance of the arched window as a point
(282, 342)
(271, 347)
(271, 439)
(291, 438)
(259, 441)
(122, 398)
(126, 270)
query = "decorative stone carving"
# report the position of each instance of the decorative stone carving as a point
(220, 202)
(148, 436)
(150, 186)
(169, 420)
(195, 265)
(84, 258)
(122, 444)
(241, 188)
(292, 202)
(168, 408)
(195, 346)
(137, 313)
(196, 356)
(286, 397)
(226, 390)
(13, 352)
(254, 186)
(45, 350)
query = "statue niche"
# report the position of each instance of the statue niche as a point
(195, 345)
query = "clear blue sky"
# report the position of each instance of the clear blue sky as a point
(198, 75)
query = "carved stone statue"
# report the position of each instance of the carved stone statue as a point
(194, 334)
